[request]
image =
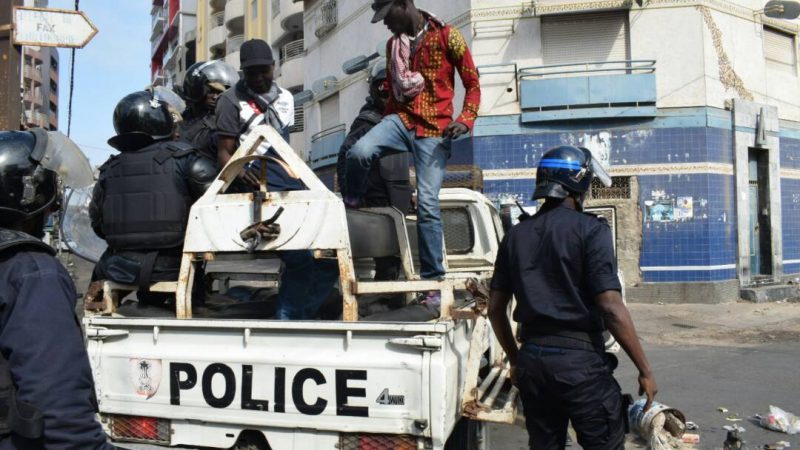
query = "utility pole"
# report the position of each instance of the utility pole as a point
(10, 64)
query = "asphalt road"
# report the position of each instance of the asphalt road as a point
(699, 379)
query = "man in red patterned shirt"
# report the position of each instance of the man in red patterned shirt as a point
(422, 124)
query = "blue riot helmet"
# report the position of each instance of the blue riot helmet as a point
(567, 171)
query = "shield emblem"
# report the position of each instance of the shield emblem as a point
(145, 375)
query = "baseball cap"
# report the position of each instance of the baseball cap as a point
(255, 52)
(381, 8)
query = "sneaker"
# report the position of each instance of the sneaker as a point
(432, 298)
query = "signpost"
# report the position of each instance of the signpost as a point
(52, 27)
(43, 27)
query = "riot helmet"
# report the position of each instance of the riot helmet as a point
(567, 171)
(140, 119)
(201, 76)
(30, 163)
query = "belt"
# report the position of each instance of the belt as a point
(567, 339)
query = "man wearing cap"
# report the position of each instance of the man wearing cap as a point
(423, 56)
(256, 100)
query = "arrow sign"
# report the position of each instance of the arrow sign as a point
(52, 27)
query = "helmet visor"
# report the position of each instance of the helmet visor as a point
(77, 228)
(600, 173)
(65, 158)
(169, 97)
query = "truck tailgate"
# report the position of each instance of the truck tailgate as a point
(337, 376)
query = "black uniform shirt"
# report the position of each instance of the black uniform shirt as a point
(41, 339)
(555, 263)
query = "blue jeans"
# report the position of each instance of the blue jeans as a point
(305, 284)
(430, 161)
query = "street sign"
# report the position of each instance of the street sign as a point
(46, 27)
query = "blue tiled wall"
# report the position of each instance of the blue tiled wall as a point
(790, 191)
(643, 146)
(707, 239)
(790, 153)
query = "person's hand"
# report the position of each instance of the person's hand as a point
(647, 386)
(250, 176)
(454, 130)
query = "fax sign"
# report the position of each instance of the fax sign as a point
(46, 27)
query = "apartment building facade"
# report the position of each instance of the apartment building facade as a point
(39, 82)
(172, 40)
(692, 105)
(223, 25)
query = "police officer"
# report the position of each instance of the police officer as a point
(560, 266)
(140, 204)
(388, 182)
(204, 82)
(46, 390)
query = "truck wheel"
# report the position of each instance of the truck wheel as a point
(467, 435)
(251, 440)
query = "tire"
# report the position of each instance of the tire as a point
(467, 435)
(251, 440)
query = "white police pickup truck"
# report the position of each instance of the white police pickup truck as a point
(404, 378)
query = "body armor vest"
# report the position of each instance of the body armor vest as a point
(146, 204)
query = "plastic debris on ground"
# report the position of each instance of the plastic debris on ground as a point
(691, 426)
(661, 426)
(779, 420)
(691, 438)
(722, 410)
(780, 445)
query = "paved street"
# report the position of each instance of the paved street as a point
(739, 356)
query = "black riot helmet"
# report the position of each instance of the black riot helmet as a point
(140, 119)
(202, 75)
(567, 171)
(26, 188)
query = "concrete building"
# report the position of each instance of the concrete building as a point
(692, 104)
(223, 25)
(173, 25)
(40, 83)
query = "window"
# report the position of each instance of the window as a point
(580, 38)
(329, 112)
(780, 50)
(254, 9)
(620, 189)
(459, 237)
(53, 64)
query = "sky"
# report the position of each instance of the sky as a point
(114, 64)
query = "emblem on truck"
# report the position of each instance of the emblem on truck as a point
(145, 376)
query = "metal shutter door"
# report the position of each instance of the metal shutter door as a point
(779, 50)
(585, 38)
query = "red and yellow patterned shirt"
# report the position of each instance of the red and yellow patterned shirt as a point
(440, 53)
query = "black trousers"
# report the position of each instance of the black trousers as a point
(558, 386)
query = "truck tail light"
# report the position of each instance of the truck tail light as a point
(377, 442)
(140, 429)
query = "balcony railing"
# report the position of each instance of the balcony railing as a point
(292, 50)
(217, 19)
(299, 120)
(234, 43)
(591, 90)
(327, 18)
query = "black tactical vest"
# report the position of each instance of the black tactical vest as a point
(23, 419)
(146, 203)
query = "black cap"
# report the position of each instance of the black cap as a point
(381, 8)
(255, 52)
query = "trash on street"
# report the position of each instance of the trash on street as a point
(779, 420)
